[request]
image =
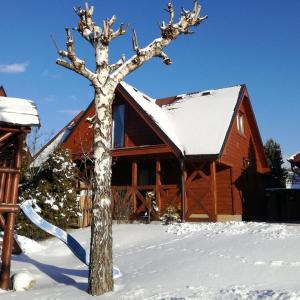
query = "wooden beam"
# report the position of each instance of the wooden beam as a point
(184, 204)
(17, 249)
(9, 129)
(213, 177)
(4, 208)
(2, 183)
(9, 170)
(134, 169)
(18, 162)
(158, 183)
(141, 150)
(6, 251)
(8, 186)
(6, 136)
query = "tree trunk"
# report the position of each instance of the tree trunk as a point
(101, 266)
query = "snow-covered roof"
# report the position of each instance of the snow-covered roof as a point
(196, 123)
(50, 148)
(18, 112)
(295, 159)
(57, 140)
(201, 120)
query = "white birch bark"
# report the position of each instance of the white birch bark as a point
(104, 81)
(101, 232)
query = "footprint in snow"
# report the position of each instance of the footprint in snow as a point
(151, 247)
(276, 263)
(259, 263)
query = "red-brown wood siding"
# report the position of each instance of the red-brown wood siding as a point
(224, 191)
(137, 132)
(241, 150)
(81, 138)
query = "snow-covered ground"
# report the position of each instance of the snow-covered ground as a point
(233, 260)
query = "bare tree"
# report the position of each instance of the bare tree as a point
(104, 80)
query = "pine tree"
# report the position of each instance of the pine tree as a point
(52, 192)
(274, 158)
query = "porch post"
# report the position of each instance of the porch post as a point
(158, 183)
(213, 178)
(134, 183)
(183, 190)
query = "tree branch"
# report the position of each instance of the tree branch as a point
(171, 11)
(169, 32)
(121, 31)
(77, 65)
(135, 44)
(119, 63)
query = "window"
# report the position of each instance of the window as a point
(240, 123)
(118, 128)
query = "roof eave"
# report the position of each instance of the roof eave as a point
(236, 109)
(202, 157)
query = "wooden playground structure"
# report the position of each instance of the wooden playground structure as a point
(16, 118)
(11, 143)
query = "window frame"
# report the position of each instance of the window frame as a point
(122, 118)
(240, 123)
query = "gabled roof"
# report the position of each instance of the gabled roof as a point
(196, 123)
(17, 111)
(43, 154)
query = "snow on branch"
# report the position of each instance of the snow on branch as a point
(169, 32)
(93, 33)
(100, 38)
(75, 64)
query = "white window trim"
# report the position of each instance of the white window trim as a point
(240, 123)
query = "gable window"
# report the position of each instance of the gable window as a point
(240, 123)
(118, 127)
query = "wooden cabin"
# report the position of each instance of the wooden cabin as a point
(16, 118)
(200, 153)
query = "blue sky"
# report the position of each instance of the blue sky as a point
(254, 42)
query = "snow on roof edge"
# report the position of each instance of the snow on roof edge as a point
(17, 111)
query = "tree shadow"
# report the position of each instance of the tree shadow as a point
(58, 274)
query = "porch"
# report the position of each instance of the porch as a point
(143, 189)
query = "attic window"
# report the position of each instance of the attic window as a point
(240, 123)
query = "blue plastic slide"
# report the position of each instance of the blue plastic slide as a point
(65, 237)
